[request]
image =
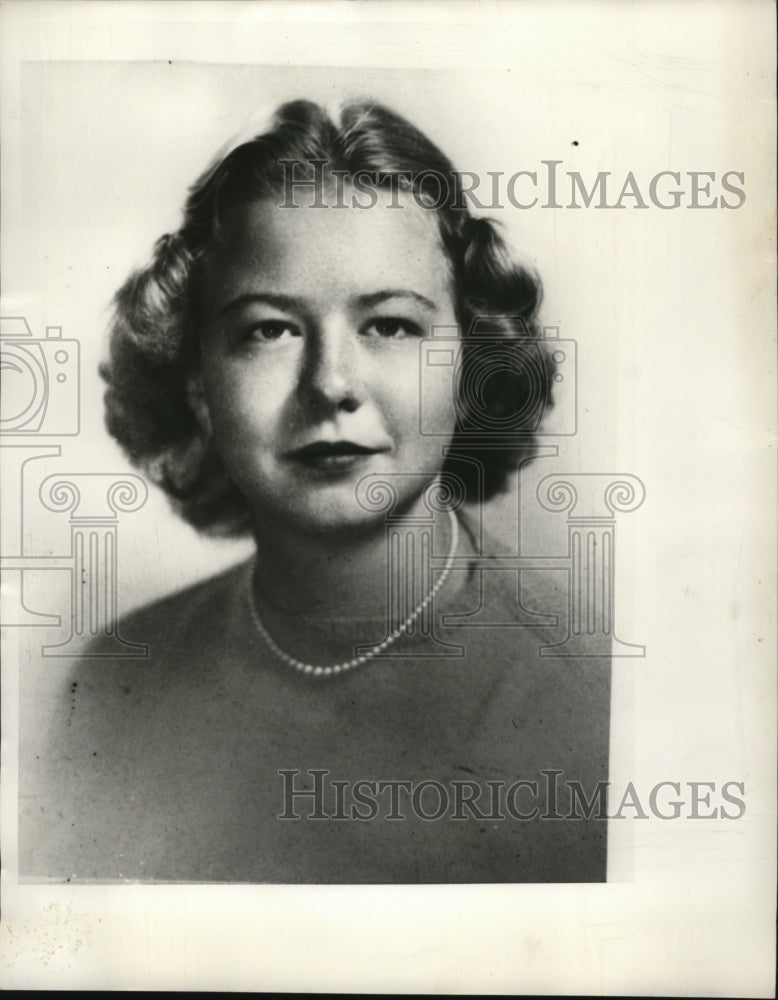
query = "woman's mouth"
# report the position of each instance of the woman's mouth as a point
(332, 456)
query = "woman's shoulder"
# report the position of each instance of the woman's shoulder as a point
(178, 613)
(178, 638)
(180, 616)
(535, 594)
(108, 720)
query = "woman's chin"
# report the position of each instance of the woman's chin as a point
(333, 517)
(342, 505)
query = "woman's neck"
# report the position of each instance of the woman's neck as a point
(344, 575)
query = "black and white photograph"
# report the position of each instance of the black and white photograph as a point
(388, 555)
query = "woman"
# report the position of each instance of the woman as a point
(330, 354)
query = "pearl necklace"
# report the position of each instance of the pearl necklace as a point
(339, 668)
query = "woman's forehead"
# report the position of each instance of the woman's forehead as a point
(332, 250)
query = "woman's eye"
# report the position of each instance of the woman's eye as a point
(271, 330)
(391, 326)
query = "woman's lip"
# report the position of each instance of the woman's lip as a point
(327, 449)
(332, 456)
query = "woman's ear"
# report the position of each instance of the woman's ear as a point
(195, 393)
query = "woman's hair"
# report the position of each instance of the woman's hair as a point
(505, 371)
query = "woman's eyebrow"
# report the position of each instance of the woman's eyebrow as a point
(366, 301)
(278, 301)
(376, 298)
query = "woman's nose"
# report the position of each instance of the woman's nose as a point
(332, 370)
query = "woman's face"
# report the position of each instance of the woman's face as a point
(311, 376)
